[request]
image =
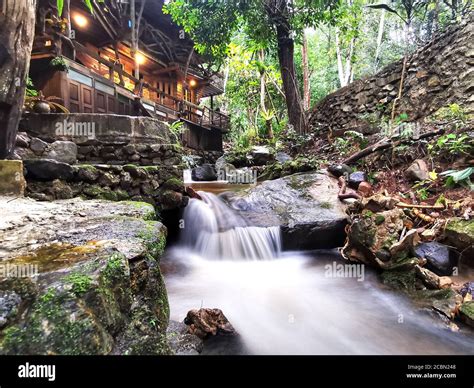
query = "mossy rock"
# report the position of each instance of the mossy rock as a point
(147, 211)
(399, 279)
(460, 233)
(88, 296)
(174, 184)
(467, 312)
(76, 313)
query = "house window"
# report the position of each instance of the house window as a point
(104, 88)
(79, 77)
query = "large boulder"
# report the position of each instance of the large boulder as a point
(304, 205)
(48, 170)
(206, 172)
(92, 282)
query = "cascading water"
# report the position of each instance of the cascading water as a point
(215, 231)
(284, 303)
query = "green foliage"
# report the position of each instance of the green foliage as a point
(176, 128)
(59, 63)
(30, 88)
(88, 4)
(452, 145)
(459, 177)
(451, 112)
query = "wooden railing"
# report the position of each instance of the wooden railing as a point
(165, 105)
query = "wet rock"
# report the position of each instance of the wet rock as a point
(62, 151)
(356, 178)
(260, 155)
(48, 170)
(304, 205)
(208, 322)
(206, 172)
(449, 304)
(192, 193)
(467, 313)
(181, 342)
(431, 280)
(339, 170)
(418, 171)
(169, 199)
(440, 258)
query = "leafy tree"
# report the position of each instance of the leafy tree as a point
(268, 23)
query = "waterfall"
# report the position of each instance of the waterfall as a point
(215, 231)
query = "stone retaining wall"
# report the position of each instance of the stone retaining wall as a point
(438, 74)
(100, 138)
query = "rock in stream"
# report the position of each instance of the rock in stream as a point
(95, 284)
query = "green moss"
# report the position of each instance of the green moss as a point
(80, 283)
(114, 267)
(150, 169)
(149, 212)
(399, 279)
(98, 192)
(155, 242)
(174, 184)
(461, 226)
(467, 308)
(49, 328)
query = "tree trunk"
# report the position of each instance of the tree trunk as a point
(278, 13)
(306, 80)
(340, 67)
(17, 23)
(379, 38)
(261, 58)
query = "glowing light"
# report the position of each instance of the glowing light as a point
(193, 83)
(48, 43)
(140, 58)
(80, 20)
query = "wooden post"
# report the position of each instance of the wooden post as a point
(134, 48)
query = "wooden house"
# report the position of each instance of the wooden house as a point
(126, 57)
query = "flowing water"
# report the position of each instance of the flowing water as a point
(284, 303)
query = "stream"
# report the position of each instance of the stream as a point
(285, 302)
